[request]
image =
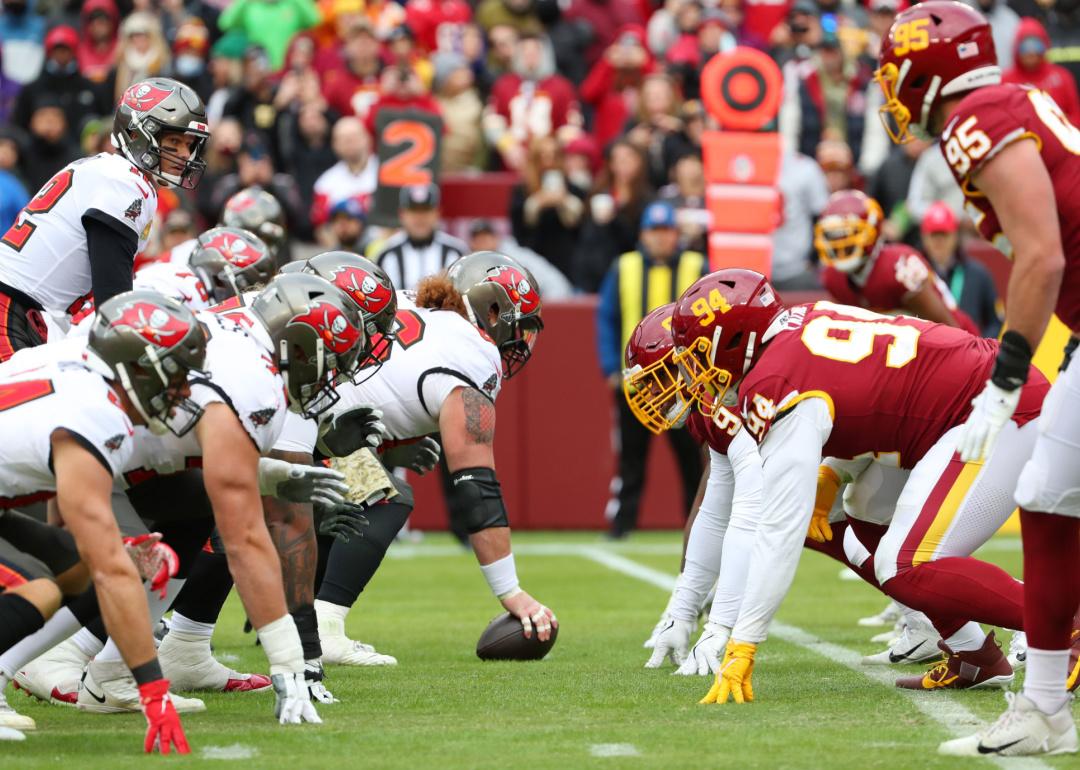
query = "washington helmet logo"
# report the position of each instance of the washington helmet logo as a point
(143, 96)
(517, 287)
(236, 251)
(333, 328)
(152, 323)
(365, 291)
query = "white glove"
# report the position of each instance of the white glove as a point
(672, 642)
(990, 410)
(706, 655)
(292, 705)
(314, 676)
(301, 483)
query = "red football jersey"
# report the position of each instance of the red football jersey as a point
(995, 116)
(533, 109)
(894, 384)
(717, 432)
(887, 279)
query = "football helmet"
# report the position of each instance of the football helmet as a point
(151, 343)
(229, 260)
(150, 108)
(651, 380)
(256, 210)
(718, 327)
(503, 300)
(848, 232)
(317, 337)
(935, 49)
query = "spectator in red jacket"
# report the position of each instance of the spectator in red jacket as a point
(353, 87)
(400, 88)
(613, 86)
(425, 17)
(1032, 67)
(529, 103)
(97, 43)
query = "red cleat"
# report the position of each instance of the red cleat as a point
(985, 667)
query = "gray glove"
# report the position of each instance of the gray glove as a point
(341, 521)
(420, 456)
(343, 433)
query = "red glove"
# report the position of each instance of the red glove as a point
(155, 561)
(163, 727)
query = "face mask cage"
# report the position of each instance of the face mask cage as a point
(654, 394)
(155, 385)
(705, 383)
(517, 351)
(895, 117)
(841, 241)
(150, 158)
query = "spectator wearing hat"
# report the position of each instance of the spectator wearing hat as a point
(463, 146)
(141, 53)
(270, 24)
(793, 41)
(529, 103)
(22, 32)
(1031, 66)
(519, 14)
(13, 193)
(61, 81)
(100, 23)
(400, 88)
(352, 87)
(190, 47)
(691, 52)
(347, 228)
(639, 281)
(969, 282)
(252, 103)
(51, 147)
(420, 248)
(546, 210)
(615, 81)
(553, 285)
(355, 175)
(581, 161)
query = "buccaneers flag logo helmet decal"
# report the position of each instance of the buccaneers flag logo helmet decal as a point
(336, 332)
(154, 324)
(518, 289)
(365, 291)
(143, 97)
(236, 251)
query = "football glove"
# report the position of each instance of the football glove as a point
(343, 433)
(673, 641)
(314, 676)
(420, 456)
(733, 676)
(163, 728)
(298, 483)
(705, 656)
(828, 484)
(990, 410)
(293, 705)
(343, 521)
(154, 560)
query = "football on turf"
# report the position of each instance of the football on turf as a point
(504, 639)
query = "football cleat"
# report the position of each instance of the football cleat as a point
(9, 717)
(188, 664)
(340, 649)
(891, 615)
(985, 667)
(1022, 730)
(54, 675)
(918, 642)
(1073, 680)
(107, 687)
(1018, 651)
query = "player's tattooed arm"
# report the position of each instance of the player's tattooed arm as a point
(479, 417)
(292, 529)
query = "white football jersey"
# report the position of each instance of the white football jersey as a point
(39, 396)
(242, 376)
(176, 281)
(436, 352)
(180, 254)
(44, 253)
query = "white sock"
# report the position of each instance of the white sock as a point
(190, 628)
(56, 629)
(969, 638)
(87, 642)
(330, 611)
(854, 550)
(109, 652)
(1044, 682)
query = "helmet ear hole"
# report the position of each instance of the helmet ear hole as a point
(736, 340)
(918, 81)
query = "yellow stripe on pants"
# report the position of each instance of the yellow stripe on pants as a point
(946, 514)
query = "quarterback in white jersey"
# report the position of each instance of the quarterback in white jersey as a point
(79, 235)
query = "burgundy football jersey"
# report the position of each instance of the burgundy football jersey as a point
(988, 120)
(886, 281)
(894, 384)
(715, 433)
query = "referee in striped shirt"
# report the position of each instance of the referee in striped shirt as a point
(419, 249)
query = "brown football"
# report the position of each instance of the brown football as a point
(504, 639)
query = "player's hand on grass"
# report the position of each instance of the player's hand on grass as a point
(706, 655)
(532, 614)
(733, 677)
(420, 456)
(672, 642)
(342, 434)
(292, 704)
(163, 729)
(315, 678)
(990, 410)
(341, 522)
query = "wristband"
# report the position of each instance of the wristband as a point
(281, 642)
(502, 576)
(1013, 360)
(147, 672)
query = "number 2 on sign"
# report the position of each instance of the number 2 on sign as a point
(911, 36)
(705, 308)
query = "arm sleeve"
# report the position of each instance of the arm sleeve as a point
(111, 246)
(607, 324)
(790, 453)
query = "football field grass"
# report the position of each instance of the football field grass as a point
(589, 704)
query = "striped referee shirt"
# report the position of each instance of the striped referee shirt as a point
(407, 262)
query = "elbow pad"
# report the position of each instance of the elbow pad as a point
(476, 499)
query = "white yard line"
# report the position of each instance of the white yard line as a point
(943, 709)
(613, 750)
(425, 550)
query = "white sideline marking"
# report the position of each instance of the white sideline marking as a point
(234, 751)
(941, 708)
(422, 550)
(614, 750)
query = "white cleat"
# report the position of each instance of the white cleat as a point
(11, 734)
(1018, 651)
(12, 719)
(107, 687)
(1021, 731)
(54, 676)
(887, 617)
(188, 665)
(918, 642)
(343, 651)
(660, 626)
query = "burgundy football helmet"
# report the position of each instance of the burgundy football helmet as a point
(651, 381)
(848, 232)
